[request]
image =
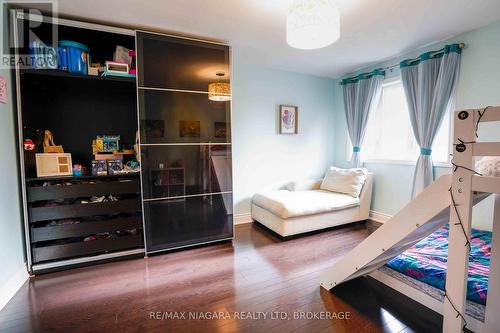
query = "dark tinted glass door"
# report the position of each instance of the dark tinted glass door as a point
(185, 140)
(183, 117)
(178, 170)
(186, 221)
(182, 64)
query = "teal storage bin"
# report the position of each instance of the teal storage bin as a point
(72, 57)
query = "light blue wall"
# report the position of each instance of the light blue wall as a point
(261, 156)
(11, 231)
(479, 85)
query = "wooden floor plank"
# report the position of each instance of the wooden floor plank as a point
(257, 273)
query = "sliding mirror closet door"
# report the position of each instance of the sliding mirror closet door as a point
(185, 139)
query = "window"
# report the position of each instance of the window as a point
(389, 135)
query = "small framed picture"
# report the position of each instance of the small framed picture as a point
(288, 119)
(220, 129)
(189, 128)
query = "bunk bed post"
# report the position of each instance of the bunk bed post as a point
(492, 319)
(458, 252)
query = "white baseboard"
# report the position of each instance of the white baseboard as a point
(8, 290)
(379, 217)
(375, 216)
(242, 218)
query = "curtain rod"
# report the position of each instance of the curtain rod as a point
(460, 46)
(391, 67)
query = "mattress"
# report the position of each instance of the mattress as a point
(475, 310)
(427, 261)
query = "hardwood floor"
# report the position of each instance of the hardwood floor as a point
(256, 276)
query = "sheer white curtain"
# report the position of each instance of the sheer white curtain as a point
(429, 82)
(360, 96)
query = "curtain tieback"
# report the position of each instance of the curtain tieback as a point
(356, 149)
(425, 151)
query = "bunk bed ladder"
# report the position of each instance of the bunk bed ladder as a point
(460, 222)
(465, 181)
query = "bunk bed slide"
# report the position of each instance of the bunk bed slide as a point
(425, 214)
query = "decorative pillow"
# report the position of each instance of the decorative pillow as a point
(304, 185)
(489, 166)
(347, 181)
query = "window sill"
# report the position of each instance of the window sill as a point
(396, 162)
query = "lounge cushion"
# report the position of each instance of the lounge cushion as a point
(288, 204)
(347, 181)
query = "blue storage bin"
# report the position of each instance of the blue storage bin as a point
(72, 57)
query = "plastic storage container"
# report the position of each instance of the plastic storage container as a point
(72, 57)
(43, 56)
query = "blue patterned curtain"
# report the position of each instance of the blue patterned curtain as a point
(360, 95)
(429, 83)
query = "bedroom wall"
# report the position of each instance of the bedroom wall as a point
(478, 86)
(11, 234)
(263, 158)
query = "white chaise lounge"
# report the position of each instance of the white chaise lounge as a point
(301, 207)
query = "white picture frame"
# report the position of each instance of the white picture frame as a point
(53, 164)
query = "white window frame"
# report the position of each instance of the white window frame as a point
(447, 164)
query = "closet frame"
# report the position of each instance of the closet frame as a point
(17, 16)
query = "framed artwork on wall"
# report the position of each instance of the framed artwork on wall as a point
(220, 129)
(154, 128)
(189, 128)
(288, 119)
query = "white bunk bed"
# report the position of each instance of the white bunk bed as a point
(448, 200)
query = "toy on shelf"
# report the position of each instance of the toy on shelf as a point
(131, 167)
(99, 168)
(48, 144)
(123, 63)
(132, 69)
(77, 170)
(105, 144)
(109, 158)
(114, 167)
(107, 147)
(96, 69)
(28, 144)
(113, 68)
(122, 54)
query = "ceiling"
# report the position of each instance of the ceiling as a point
(371, 30)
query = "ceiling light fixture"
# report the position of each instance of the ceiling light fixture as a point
(312, 24)
(219, 91)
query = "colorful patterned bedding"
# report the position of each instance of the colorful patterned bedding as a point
(426, 262)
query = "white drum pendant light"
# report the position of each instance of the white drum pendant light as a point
(219, 91)
(312, 24)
